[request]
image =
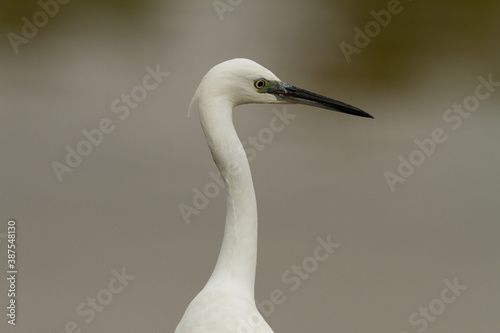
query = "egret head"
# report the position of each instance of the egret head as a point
(243, 81)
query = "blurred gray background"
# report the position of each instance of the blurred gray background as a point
(119, 209)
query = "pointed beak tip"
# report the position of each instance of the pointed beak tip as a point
(294, 95)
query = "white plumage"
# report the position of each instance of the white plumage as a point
(226, 304)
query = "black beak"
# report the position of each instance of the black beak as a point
(291, 94)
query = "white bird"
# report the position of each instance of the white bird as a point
(226, 304)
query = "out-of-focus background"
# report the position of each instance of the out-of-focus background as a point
(119, 214)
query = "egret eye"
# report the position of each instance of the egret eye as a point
(261, 83)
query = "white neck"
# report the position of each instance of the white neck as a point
(238, 254)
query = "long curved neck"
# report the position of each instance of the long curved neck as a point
(238, 254)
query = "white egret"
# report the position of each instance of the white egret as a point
(226, 304)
